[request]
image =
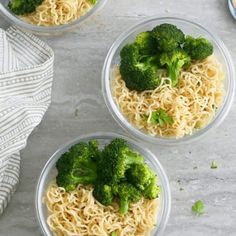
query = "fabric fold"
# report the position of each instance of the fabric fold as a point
(26, 74)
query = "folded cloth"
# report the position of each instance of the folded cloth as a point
(26, 73)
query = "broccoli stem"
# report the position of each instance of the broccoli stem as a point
(173, 73)
(124, 206)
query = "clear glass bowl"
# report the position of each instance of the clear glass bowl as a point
(49, 173)
(13, 19)
(188, 27)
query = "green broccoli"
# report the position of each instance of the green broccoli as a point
(21, 7)
(117, 157)
(94, 151)
(198, 48)
(161, 118)
(103, 193)
(93, 2)
(82, 171)
(146, 43)
(127, 194)
(152, 190)
(139, 175)
(76, 167)
(77, 150)
(138, 71)
(168, 37)
(175, 61)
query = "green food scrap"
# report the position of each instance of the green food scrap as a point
(214, 165)
(161, 118)
(198, 207)
(114, 234)
(93, 2)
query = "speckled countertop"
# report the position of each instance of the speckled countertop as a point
(78, 108)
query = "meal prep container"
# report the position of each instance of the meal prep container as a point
(49, 173)
(188, 27)
(14, 19)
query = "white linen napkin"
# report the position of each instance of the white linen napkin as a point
(26, 74)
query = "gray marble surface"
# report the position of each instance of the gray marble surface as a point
(78, 108)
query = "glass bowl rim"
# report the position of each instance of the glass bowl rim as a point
(121, 120)
(105, 135)
(50, 29)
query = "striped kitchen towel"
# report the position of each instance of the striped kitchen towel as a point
(26, 74)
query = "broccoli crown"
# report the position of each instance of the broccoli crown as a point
(174, 61)
(198, 48)
(20, 7)
(127, 193)
(138, 71)
(67, 180)
(168, 37)
(152, 190)
(146, 43)
(116, 159)
(76, 167)
(116, 172)
(139, 175)
(103, 193)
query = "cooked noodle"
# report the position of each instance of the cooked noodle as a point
(58, 12)
(192, 103)
(78, 214)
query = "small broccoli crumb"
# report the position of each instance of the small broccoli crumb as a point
(198, 207)
(195, 167)
(214, 165)
(77, 111)
(161, 118)
(93, 2)
(113, 234)
(181, 189)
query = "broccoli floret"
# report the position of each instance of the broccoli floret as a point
(21, 7)
(127, 194)
(103, 193)
(94, 151)
(139, 175)
(174, 62)
(76, 167)
(116, 159)
(168, 37)
(146, 43)
(152, 190)
(82, 171)
(198, 48)
(138, 71)
(67, 159)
